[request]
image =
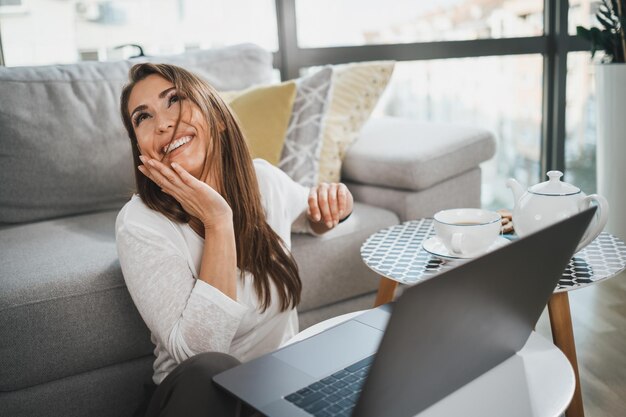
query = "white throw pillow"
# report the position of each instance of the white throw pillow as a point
(356, 89)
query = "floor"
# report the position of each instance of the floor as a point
(599, 320)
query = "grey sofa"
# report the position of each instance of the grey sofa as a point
(71, 341)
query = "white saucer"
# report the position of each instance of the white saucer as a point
(434, 246)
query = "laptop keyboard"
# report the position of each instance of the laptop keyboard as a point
(335, 395)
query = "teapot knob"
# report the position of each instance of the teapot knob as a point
(555, 175)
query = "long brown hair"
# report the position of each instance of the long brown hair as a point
(260, 250)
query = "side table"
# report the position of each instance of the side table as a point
(397, 255)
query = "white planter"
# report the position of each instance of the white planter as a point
(611, 143)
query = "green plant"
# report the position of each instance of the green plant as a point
(611, 38)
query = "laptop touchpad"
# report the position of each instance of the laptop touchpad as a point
(333, 349)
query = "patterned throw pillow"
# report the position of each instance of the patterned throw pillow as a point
(301, 152)
(355, 92)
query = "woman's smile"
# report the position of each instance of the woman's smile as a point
(178, 145)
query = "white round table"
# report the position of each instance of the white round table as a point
(536, 382)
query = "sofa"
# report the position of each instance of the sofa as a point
(71, 341)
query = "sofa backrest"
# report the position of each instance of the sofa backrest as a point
(63, 147)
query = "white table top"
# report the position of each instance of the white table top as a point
(536, 382)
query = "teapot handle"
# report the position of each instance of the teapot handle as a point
(597, 225)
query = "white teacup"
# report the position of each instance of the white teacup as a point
(467, 231)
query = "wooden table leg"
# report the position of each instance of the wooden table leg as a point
(563, 337)
(386, 291)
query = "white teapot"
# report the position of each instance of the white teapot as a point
(551, 201)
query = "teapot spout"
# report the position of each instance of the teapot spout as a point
(516, 188)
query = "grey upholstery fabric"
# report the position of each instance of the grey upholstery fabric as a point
(231, 68)
(112, 391)
(402, 153)
(330, 265)
(64, 148)
(460, 191)
(64, 308)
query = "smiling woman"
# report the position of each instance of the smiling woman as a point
(144, 121)
(204, 245)
(164, 121)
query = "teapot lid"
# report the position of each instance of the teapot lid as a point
(554, 186)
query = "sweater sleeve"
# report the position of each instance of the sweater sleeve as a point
(294, 195)
(297, 197)
(298, 204)
(185, 315)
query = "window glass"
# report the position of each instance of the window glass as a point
(501, 94)
(582, 13)
(8, 6)
(37, 32)
(580, 120)
(323, 23)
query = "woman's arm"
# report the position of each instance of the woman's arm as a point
(208, 209)
(185, 315)
(311, 210)
(219, 258)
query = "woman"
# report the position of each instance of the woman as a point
(204, 245)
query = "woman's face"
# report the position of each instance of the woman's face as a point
(154, 106)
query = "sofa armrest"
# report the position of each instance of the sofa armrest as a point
(460, 191)
(407, 154)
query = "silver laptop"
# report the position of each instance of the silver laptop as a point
(400, 358)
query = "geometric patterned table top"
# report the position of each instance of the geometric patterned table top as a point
(396, 253)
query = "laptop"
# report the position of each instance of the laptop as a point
(402, 357)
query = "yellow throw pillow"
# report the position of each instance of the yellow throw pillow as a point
(355, 91)
(263, 113)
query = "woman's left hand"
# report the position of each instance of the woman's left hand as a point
(329, 203)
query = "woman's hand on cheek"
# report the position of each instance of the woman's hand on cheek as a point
(329, 203)
(197, 198)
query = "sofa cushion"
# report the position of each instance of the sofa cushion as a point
(301, 155)
(64, 307)
(403, 153)
(64, 148)
(356, 88)
(460, 191)
(263, 113)
(112, 391)
(230, 68)
(330, 265)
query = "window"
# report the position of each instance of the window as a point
(11, 6)
(52, 31)
(580, 118)
(366, 22)
(582, 13)
(501, 93)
